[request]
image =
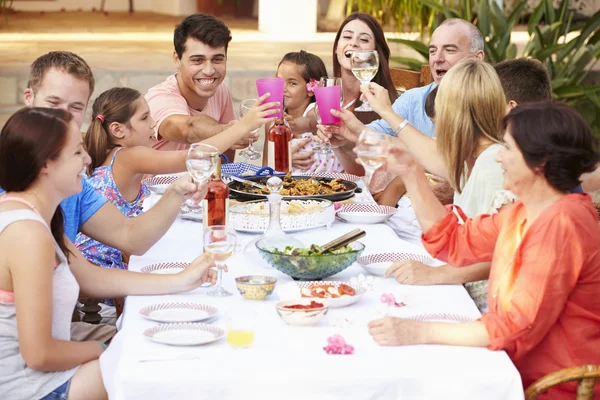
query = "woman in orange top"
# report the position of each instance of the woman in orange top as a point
(545, 251)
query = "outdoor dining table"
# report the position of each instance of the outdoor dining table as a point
(288, 362)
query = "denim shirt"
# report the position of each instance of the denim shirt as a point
(411, 106)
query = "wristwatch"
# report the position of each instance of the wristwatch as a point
(400, 127)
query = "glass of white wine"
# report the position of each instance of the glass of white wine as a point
(370, 149)
(201, 162)
(249, 153)
(220, 244)
(365, 64)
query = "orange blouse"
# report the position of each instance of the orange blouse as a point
(544, 286)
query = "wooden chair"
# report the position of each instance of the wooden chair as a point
(405, 79)
(91, 307)
(587, 375)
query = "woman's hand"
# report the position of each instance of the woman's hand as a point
(302, 159)
(412, 272)
(348, 129)
(257, 115)
(198, 272)
(378, 98)
(392, 331)
(401, 162)
(188, 189)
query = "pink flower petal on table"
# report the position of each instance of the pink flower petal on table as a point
(337, 345)
(388, 299)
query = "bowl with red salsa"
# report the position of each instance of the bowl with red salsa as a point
(304, 312)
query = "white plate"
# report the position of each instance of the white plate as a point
(377, 264)
(441, 317)
(365, 213)
(185, 334)
(165, 268)
(179, 312)
(331, 302)
(160, 183)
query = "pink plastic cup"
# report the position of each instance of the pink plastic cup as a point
(275, 87)
(328, 98)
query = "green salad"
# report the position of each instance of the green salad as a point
(309, 260)
(313, 250)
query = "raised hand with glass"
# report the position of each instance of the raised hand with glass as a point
(329, 95)
(201, 162)
(365, 64)
(370, 150)
(219, 243)
(249, 153)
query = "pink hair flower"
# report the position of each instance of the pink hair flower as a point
(311, 85)
(337, 345)
(390, 300)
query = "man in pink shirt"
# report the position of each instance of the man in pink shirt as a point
(194, 103)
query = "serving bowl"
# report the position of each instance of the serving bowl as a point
(310, 267)
(365, 213)
(296, 215)
(255, 287)
(304, 317)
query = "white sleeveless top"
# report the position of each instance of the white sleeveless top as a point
(483, 193)
(17, 380)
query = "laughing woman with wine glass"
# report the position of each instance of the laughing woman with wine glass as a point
(42, 162)
(358, 32)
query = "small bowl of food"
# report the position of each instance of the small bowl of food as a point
(310, 263)
(303, 312)
(255, 287)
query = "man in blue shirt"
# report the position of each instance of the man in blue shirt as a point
(452, 41)
(61, 79)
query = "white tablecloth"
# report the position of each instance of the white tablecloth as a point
(288, 362)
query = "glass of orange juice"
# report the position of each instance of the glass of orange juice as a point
(240, 328)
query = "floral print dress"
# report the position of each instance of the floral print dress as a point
(98, 253)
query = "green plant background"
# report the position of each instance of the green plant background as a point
(569, 60)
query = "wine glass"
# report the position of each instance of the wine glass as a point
(370, 149)
(365, 64)
(220, 244)
(201, 162)
(249, 153)
(326, 148)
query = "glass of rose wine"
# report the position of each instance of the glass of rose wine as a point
(220, 244)
(201, 162)
(326, 148)
(365, 64)
(249, 153)
(370, 149)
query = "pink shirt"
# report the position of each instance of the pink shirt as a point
(165, 100)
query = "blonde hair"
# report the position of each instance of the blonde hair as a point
(469, 107)
(114, 105)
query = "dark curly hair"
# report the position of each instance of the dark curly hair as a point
(203, 27)
(555, 138)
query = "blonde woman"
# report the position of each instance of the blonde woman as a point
(469, 108)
